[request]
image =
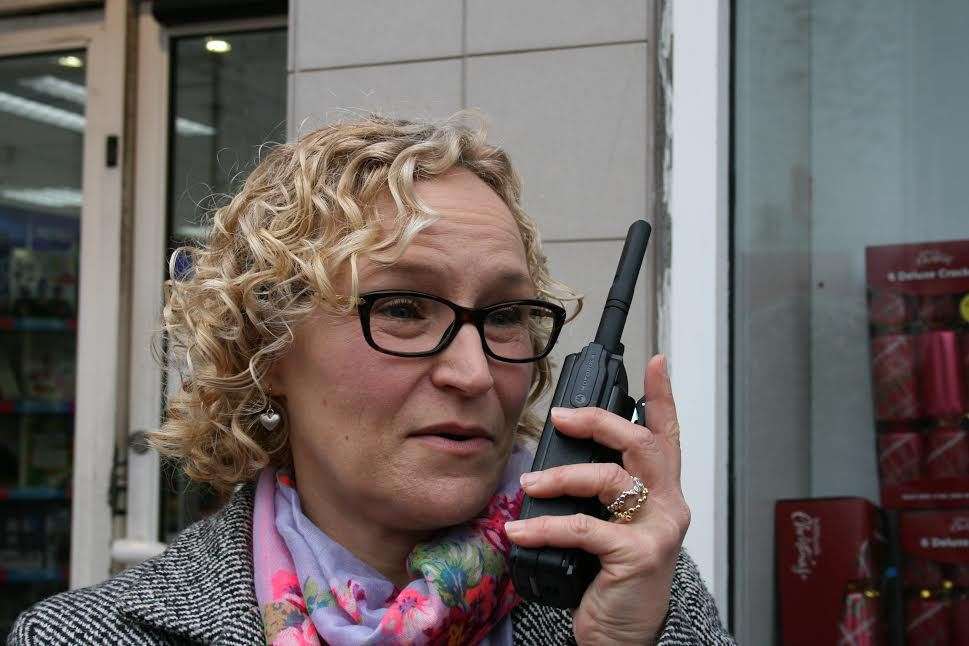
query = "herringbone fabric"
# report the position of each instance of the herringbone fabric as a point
(200, 591)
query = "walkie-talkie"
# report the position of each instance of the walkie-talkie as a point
(596, 377)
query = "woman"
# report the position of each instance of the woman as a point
(364, 331)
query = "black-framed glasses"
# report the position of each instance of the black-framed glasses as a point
(415, 324)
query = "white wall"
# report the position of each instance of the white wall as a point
(699, 273)
(568, 87)
(564, 87)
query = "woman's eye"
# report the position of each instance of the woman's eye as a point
(399, 308)
(507, 316)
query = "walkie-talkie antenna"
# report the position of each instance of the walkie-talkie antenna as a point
(623, 285)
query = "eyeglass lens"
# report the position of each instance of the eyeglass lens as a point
(416, 324)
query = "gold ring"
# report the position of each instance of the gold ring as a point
(639, 492)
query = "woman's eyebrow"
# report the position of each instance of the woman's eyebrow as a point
(502, 277)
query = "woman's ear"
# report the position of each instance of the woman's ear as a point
(272, 382)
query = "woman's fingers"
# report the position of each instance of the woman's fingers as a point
(661, 412)
(580, 531)
(642, 454)
(605, 480)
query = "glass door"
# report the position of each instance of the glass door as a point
(228, 99)
(61, 160)
(209, 96)
(42, 105)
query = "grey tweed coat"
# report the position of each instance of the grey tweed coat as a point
(200, 591)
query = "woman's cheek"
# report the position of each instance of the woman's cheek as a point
(517, 385)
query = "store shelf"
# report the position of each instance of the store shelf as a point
(32, 575)
(32, 493)
(35, 407)
(36, 324)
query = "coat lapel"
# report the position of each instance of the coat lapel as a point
(201, 587)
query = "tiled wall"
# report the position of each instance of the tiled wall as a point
(566, 87)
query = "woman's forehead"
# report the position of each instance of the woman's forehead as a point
(418, 269)
(474, 224)
(459, 194)
(456, 257)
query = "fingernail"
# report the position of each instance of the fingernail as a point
(528, 478)
(563, 413)
(666, 368)
(513, 526)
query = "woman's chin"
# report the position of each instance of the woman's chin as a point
(446, 504)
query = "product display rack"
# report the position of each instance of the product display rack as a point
(912, 563)
(36, 433)
(36, 324)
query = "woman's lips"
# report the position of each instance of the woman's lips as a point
(455, 438)
(462, 447)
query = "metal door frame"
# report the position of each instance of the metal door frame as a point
(697, 317)
(101, 33)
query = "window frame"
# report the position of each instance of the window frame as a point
(141, 536)
(698, 314)
(97, 418)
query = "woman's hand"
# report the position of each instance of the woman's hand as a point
(628, 600)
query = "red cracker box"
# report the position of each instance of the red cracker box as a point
(935, 558)
(826, 549)
(939, 536)
(918, 310)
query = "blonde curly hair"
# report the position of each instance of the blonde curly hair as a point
(306, 211)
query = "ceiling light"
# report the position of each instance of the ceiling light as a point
(70, 61)
(77, 93)
(41, 112)
(218, 46)
(190, 128)
(192, 231)
(53, 86)
(48, 196)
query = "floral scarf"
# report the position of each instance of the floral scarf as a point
(312, 590)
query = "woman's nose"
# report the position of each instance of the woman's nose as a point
(464, 364)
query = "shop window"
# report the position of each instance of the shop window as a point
(42, 124)
(849, 140)
(228, 107)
